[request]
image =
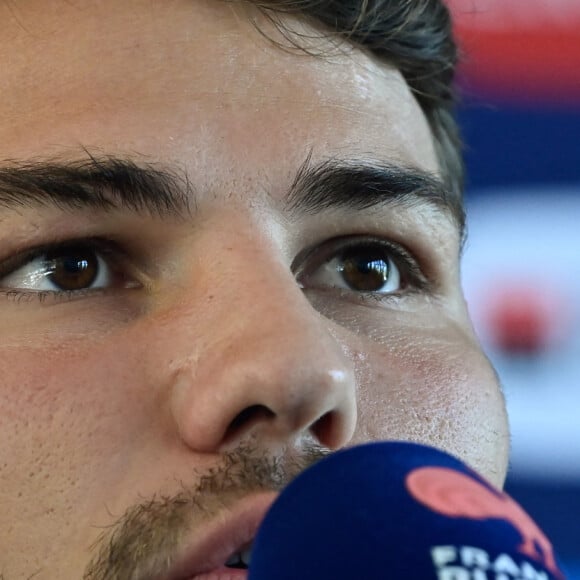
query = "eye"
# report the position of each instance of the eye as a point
(70, 267)
(363, 266)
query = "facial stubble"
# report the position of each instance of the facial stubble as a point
(143, 543)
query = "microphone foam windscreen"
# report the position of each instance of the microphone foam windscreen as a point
(398, 511)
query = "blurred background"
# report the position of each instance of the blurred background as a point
(521, 121)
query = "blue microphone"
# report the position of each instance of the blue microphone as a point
(398, 511)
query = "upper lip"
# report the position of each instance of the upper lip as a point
(222, 537)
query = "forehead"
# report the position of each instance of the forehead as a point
(195, 81)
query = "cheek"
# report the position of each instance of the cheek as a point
(73, 414)
(65, 420)
(434, 387)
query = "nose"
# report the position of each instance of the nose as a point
(260, 360)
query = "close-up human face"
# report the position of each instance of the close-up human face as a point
(220, 259)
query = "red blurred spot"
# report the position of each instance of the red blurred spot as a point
(520, 320)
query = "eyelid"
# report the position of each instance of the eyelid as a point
(113, 252)
(14, 262)
(412, 273)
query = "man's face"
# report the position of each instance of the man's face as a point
(164, 370)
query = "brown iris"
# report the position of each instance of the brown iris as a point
(72, 268)
(365, 269)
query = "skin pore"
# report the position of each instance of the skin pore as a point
(223, 346)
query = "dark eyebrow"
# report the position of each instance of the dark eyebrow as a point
(359, 185)
(109, 183)
(106, 183)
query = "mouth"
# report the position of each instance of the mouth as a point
(223, 551)
(241, 559)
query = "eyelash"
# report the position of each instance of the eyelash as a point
(43, 296)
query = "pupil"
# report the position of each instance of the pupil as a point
(365, 270)
(72, 268)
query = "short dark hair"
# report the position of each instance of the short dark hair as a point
(416, 36)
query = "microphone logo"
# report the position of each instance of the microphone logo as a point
(454, 494)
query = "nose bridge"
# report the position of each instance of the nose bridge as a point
(253, 289)
(261, 361)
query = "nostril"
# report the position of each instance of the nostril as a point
(323, 428)
(246, 418)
